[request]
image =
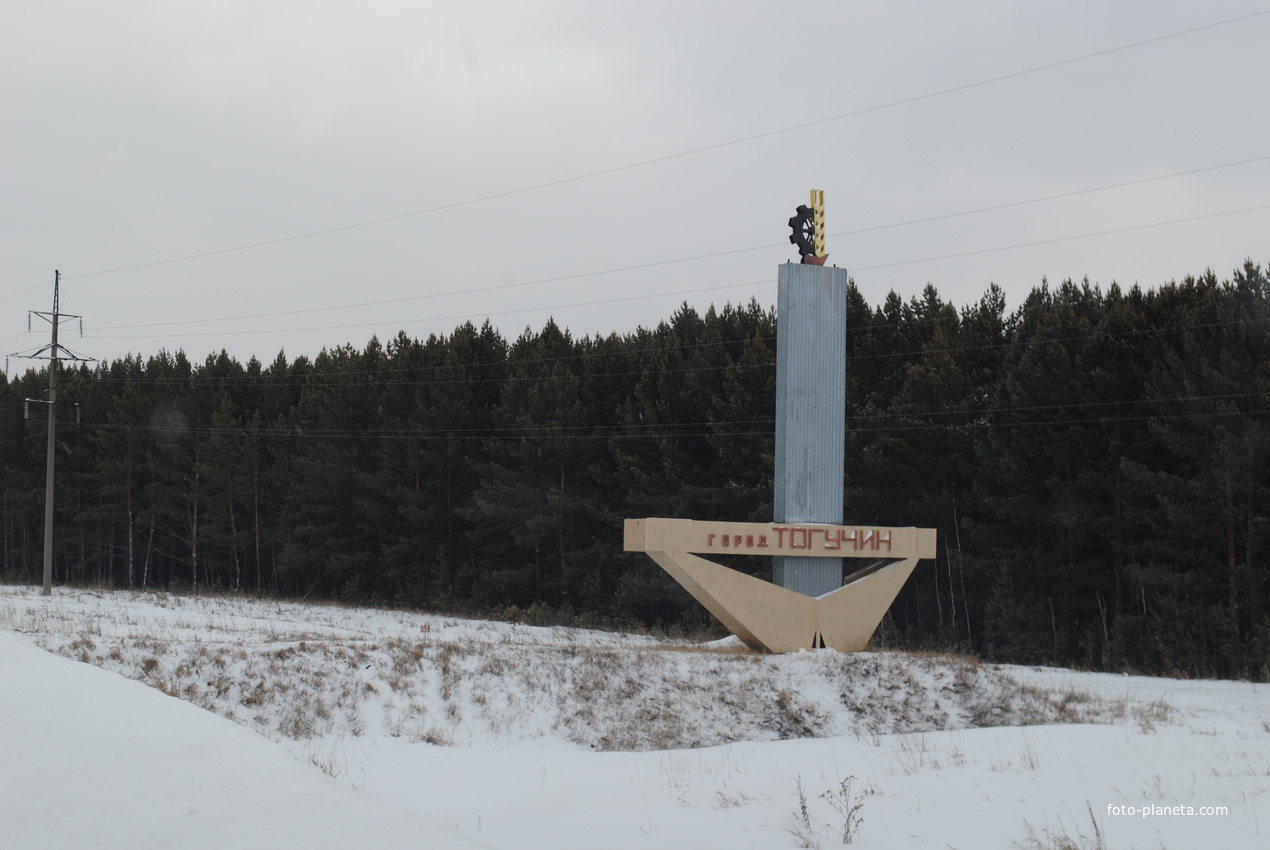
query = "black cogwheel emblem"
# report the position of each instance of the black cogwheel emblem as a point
(804, 226)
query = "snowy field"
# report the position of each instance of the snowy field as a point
(415, 730)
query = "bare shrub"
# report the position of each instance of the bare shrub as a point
(847, 803)
(804, 833)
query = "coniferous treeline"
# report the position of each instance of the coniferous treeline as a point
(1097, 464)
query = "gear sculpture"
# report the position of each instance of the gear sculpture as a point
(804, 226)
(808, 224)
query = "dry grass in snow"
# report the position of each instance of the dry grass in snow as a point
(299, 672)
(529, 738)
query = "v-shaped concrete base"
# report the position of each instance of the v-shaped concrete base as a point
(772, 618)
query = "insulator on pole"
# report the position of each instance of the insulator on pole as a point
(26, 410)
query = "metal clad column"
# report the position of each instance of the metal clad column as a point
(811, 362)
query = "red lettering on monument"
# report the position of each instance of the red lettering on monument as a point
(834, 538)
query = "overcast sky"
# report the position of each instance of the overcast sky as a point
(134, 133)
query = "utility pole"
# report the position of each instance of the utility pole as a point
(50, 456)
(53, 352)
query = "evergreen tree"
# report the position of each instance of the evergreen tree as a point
(331, 508)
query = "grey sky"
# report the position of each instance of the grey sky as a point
(137, 132)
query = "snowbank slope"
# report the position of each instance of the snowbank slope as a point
(89, 759)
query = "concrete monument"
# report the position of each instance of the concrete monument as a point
(811, 601)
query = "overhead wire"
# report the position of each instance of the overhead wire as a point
(392, 373)
(28, 289)
(527, 432)
(707, 256)
(734, 251)
(457, 317)
(677, 292)
(958, 427)
(479, 365)
(1054, 241)
(693, 151)
(513, 433)
(623, 430)
(901, 415)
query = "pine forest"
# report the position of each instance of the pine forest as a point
(1096, 462)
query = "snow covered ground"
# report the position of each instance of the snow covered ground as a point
(91, 760)
(524, 737)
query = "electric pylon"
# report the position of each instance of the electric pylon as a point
(53, 352)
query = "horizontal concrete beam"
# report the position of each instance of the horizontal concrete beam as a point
(770, 538)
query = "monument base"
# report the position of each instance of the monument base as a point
(776, 619)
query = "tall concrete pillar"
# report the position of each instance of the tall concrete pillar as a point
(811, 362)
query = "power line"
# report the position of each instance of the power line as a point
(974, 426)
(457, 317)
(1065, 238)
(709, 256)
(692, 151)
(537, 309)
(23, 291)
(391, 374)
(1038, 408)
(394, 370)
(1075, 193)
(521, 431)
(622, 431)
